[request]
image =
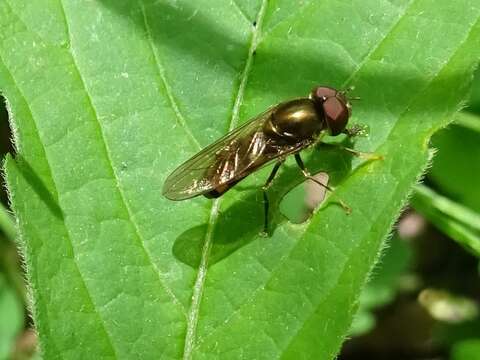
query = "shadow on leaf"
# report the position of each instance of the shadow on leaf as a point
(242, 222)
(190, 34)
(33, 179)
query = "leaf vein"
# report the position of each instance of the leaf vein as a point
(382, 41)
(116, 179)
(161, 73)
(67, 233)
(192, 319)
(300, 10)
(240, 11)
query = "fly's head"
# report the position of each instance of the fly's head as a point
(335, 106)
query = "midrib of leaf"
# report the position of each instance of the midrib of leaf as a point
(124, 202)
(161, 73)
(199, 284)
(55, 195)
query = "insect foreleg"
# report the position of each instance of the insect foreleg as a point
(306, 173)
(363, 155)
(356, 130)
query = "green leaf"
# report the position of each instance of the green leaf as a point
(108, 96)
(456, 166)
(455, 220)
(7, 224)
(11, 313)
(381, 289)
(474, 103)
(466, 350)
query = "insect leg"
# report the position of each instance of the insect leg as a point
(363, 155)
(265, 187)
(356, 130)
(360, 154)
(306, 173)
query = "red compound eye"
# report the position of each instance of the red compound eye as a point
(336, 114)
(324, 92)
(336, 108)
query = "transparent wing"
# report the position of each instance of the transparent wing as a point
(220, 162)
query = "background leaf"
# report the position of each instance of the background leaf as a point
(474, 103)
(7, 224)
(386, 281)
(11, 313)
(459, 222)
(454, 175)
(107, 96)
(467, 349)
(455, 167)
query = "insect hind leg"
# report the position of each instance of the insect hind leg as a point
(266, 203)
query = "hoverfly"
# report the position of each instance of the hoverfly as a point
(282, 130)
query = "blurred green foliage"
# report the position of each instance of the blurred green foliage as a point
(11, 317)
(466, 350)
(454, 219)
(12, 288)
(456, 167)
(386, 281)
(474, 102)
